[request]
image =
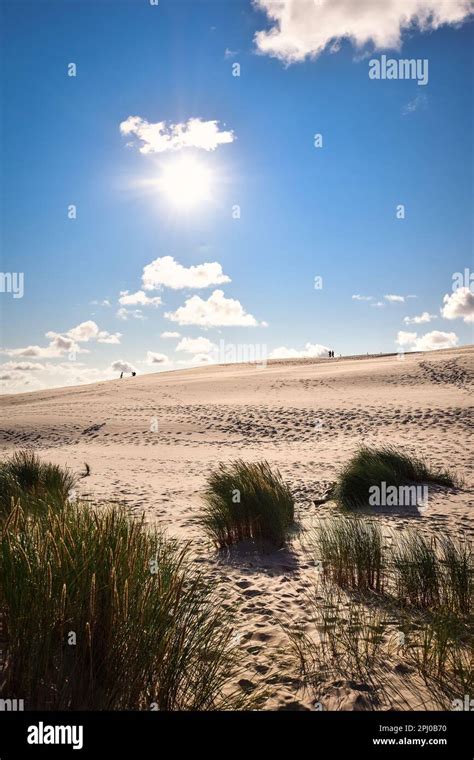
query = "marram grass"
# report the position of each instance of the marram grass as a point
(433, 572)
(25, 479)
(247, 501)
(350, 550)
(414, 570)
(371, 467)
(101, 613)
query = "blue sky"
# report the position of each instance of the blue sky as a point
(305, 211)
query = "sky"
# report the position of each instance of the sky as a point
(185, 183)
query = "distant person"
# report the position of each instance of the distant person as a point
(121, 375)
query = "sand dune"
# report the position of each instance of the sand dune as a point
(152, 440)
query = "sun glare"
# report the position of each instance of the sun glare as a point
(186, 182)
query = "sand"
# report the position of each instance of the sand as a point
(152, 440)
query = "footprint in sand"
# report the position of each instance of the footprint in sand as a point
(252, 592)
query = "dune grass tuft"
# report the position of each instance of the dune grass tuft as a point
(431, 573)
(351, 552)
(413, 571)
(370, 467)
(26, 479)
(101, 613)
(458, 571)
(425, 594)
(417, 571)
(247, 501)
(441, 651)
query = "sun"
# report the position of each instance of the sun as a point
(186, 182)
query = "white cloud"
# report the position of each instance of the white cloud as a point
(305, 28)
(405, 338)
(19, 382)
(427, 342)
(122, 366)
(168, 334)
(23, 366)
(310, 351)
(378, 304)
(155, 358)
(87, 331)
(199, 345)
(161, 136)
(126, 314)
(395, 299)
(358, 297)
(50, 376)
(459, 305)
(166, 272)
(139, 298)
(82, 333)
(217, 311)
(60, 344)
(436, 339)
(106, 337)
(420, 320)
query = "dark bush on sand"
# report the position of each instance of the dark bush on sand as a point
(371, 467)
(247, 501)
(25, 479)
